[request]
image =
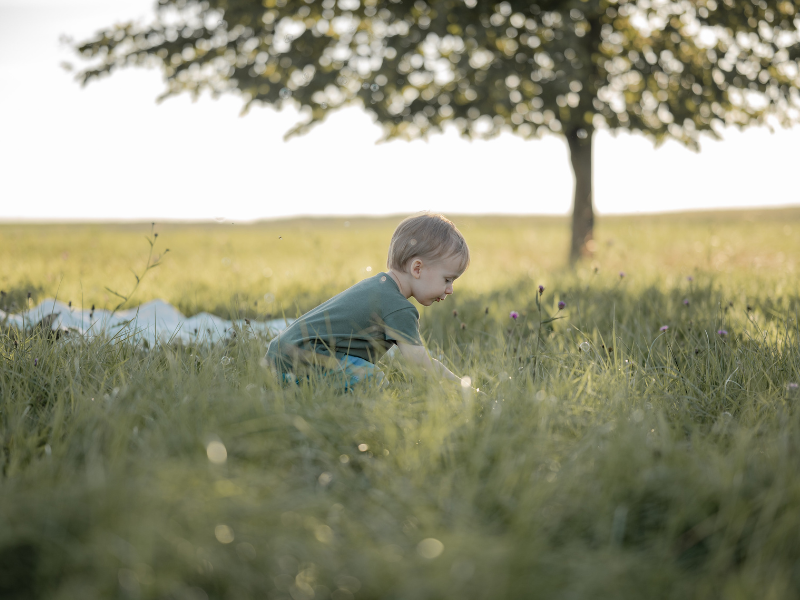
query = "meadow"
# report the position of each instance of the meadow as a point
(645, 444)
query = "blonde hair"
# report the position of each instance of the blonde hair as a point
(430, 236)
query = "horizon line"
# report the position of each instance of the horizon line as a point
(323, 216)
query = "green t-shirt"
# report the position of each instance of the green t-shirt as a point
(364, 321)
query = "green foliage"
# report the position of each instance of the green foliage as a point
(666, 69)
(623, 459)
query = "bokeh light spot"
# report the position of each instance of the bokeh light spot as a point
(224, 534)
(217, 453)
(430, 548)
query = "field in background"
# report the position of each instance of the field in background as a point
(645, 445)
(295, 264)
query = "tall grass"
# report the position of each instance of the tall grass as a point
(608, 459)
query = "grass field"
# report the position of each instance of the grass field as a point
(608, 459)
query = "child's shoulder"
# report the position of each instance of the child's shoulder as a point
(380, 289)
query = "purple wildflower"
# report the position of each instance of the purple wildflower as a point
(561, 304)
(793, 386)
(686, 302)
(722, 332)
(35, 362)
(621, 274)
(664, 328)
(541, 290)
(514, 315)
(690, 278)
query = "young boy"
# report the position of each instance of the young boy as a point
(345, 336)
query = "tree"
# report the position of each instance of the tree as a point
(663, 68)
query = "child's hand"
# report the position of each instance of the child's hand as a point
(418, 355)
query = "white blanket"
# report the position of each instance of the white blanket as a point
(156, 320)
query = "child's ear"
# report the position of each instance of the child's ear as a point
(416, 267)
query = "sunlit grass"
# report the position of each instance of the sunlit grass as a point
(615, 460)
(219, 267)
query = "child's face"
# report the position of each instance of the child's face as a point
(432, 281)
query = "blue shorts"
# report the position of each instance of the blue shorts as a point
(353, 370)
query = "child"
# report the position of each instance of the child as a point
(349, 333)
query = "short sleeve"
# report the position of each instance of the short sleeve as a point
(403, 326)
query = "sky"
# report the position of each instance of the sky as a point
(109, 152)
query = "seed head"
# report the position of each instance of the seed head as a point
(455, 313)
(463, 326)
(514, 315)
(561, 304)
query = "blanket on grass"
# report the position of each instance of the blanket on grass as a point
(155, 321)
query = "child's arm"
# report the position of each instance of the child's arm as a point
(418, 355)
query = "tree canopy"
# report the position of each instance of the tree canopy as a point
(663, 68)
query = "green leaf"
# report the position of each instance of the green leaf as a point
(545, 322)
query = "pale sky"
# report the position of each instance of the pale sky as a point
(108, 152)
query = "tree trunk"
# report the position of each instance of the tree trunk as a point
(580, 154)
